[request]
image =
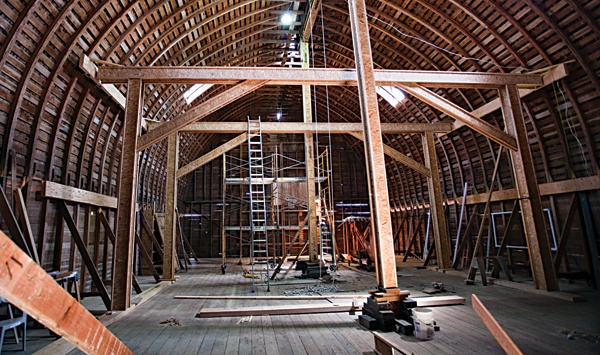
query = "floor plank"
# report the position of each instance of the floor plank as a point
(534, 322)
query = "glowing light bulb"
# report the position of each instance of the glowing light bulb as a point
(287, 19)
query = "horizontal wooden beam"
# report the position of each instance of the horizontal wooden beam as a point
(276, 310)
(309, 76)
(439, 301)
(27, 286)
(313, 127)
(72, 194)
(547, 189)
(271, 298)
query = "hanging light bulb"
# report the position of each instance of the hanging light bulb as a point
(278, 116)
(287, 19)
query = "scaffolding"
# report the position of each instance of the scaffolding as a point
(284, 201)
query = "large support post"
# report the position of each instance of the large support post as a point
(538, 244)
(309, 154)
(170, 253)
(381, 223)
(436, 207)
(123, 262)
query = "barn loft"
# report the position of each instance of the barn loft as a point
(180, 167)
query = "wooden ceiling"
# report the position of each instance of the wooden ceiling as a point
(57, 124)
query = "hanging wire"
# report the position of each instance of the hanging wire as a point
(444, 49)
(567, 118)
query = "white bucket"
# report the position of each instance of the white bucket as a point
(423, 319)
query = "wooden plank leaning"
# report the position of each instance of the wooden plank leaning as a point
(499, 334)
(27, 286)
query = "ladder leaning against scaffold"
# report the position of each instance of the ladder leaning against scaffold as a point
(259, 242)
(326, 230)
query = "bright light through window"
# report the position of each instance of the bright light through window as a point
(195, 91)
(391, 94)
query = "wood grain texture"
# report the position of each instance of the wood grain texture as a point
(507, 344)
(31, 289)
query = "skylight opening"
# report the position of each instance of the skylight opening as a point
(195, 91)
(391, 94)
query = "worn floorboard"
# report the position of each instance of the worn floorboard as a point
(535, 323)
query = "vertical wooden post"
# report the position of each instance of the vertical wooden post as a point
(309, 154)
(223, 232)
(438, 217)
(170, 253)
(538, 244)
(381, 224)
(123, 256)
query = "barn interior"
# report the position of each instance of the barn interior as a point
(299, 177)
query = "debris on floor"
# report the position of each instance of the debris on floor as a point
(246, 319)
(171, 321)
(311, 290)
(585, 337)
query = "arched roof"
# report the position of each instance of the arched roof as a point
(57, 124)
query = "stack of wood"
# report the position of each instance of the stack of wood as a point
(378, 311)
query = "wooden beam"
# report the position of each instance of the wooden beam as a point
(564, 234)
(22, 282)
(111, 236)
(72, 194)
(24, 216)
(199, 112)
(128, 181)
(312, 127)
(309, 20)
(272, 298)
(170, 232)
(309, 156)
(90, 68)
(147, 257)
(588, 183)
(150, 232)
(10, 219)
(490, 322)
(460, 114)
(85, 255)
(438, 217)
(538, 243)
(309, 76)
(291, 245)
(438, 301)
(186, 242)
(552, 74)
(381, 224)
(276, 310)
(400, 157)
(213, 154)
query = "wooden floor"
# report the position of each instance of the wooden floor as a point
(537, 324)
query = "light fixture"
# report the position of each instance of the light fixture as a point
(287, 19)
(278, 116)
